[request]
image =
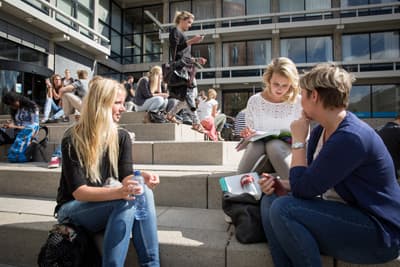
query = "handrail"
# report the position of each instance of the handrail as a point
(68, 17)
(261, 68)
(285, 14)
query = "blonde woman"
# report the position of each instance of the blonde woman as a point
(345, 198)
(272, 109)
(93, 150)
(180, 49)
(149, 96)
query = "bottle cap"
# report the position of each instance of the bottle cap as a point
(137, 173)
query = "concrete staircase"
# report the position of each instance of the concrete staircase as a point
(191, 226)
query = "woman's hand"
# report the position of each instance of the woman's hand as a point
(129, 188)
(246, 132)
(196, 39)
(270, 184)
(300, 128)
(202, 60)
(151, 179)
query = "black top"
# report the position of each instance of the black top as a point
(142, 91)
(177, 43)
(73, 175)
(129, 96)
(390, 134)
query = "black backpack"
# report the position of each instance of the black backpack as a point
(69, 246)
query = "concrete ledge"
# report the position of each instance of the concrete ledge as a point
(132, 117)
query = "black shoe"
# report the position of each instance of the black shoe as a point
(52, 121)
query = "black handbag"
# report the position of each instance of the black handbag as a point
(244, 211)
(36, 151)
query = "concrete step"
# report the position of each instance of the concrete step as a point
(132, 117)
(170, 152)
(143, 132)
(36, 180)
(187, 236)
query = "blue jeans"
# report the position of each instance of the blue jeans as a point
(49, 106)
(299, 230)
(153, 104)
(117, 219)
(57, 152)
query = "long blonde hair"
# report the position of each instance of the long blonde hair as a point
(96, 133)
(285, 67)
(154, 84)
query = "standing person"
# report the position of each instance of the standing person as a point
(148, 95)
(130, 94)
(24, 114)
(180, 49)
(272, 109)
(356, 220)
(93, 150)
(390, 134)
(207, 111)
(51, 105)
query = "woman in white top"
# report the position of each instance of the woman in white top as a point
(272, 109)
(207, 111)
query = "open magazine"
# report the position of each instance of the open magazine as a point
(265, 136)
(242, 183)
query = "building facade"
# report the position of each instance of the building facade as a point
(117, 38)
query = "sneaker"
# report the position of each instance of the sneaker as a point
(54, 162)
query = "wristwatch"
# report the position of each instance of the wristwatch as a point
(298, 145)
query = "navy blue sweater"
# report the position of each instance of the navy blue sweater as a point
(355, 162)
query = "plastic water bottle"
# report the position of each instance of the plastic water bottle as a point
(140, 199)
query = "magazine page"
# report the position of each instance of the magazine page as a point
(241, 183)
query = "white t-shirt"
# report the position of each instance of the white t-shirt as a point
(205, 108)
(263, 115)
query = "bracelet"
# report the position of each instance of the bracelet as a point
(298, 145)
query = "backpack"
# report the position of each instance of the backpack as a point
(36, 151)
(69, 245)
(16, 153)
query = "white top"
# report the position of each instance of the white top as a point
(263, 115)
(205, 108)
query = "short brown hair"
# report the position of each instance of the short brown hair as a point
(332, 83)
(82, 74)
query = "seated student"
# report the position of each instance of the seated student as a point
(272, 109)
(24, 113)
(51, 105)
(390, 134)
(344, 199)
(148, 95)
(93, 150)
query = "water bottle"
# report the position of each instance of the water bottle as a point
(140, 199)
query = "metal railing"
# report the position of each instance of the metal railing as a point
(258, 70)
(288, 17)
(76, 25)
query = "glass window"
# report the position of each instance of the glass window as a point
(235, 101)
(291, 5)
(207, 51)
(385, 45)
(104, 11)
(8, 50)
(355, 47)
(234, 54)
(148, 24)
(319, 49)
(255, 7)
(204, 9)
(345, 3)
(179, 6)
(151, 43)
(258, 52)
(294, 48)
(85, 17)
(67, 7)
(360, 101)
(133, 20)
(86, 3)
(116, 18)
(32, 56)
(385, 100)
(233, 8)
(115, 42)
(317, 4)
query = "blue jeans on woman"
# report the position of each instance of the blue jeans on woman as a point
(153, 104)
(299, 230)
(49, 106)
(117, 219)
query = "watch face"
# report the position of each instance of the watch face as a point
(298, 145)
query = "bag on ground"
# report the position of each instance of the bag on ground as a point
(68, 245)
(36, 150)
(16, 153)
